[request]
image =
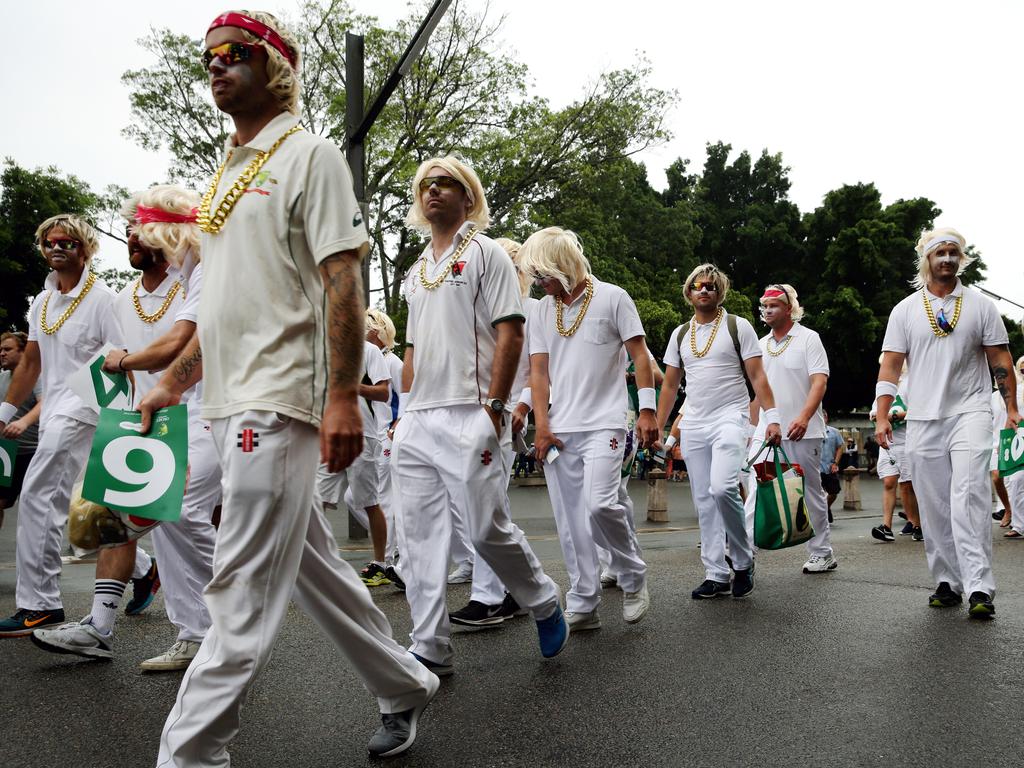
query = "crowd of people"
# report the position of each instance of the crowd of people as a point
(248, 309)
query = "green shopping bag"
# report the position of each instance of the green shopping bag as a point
(780, 518)
(8, 456)
(138, 475)
(1011, 451)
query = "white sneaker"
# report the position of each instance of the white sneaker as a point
(608, 579)
(635, 605)
(461, 575)
(821, 564)
(79, 638)
(582, 621)
(175, 658)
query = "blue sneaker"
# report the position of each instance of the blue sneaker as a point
(553, 633)
(441, 670)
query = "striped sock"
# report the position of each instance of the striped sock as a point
(106, 597)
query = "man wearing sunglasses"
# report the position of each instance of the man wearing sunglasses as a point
(68, 323)
(281, 328)
(717, 355)
(949, 336)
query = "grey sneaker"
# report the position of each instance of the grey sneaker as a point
(175, 658)
(398, 730)
(79, 638)
(580, 621)
(821, 564)
(461, 575)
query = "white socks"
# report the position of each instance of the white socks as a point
(106, 598)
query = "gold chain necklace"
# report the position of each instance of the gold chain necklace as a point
(213, 224)
(714, 332)
(432, 284)
(160, 312)
(779, 350)
(931, 315)
(588, 294)
(52, 329)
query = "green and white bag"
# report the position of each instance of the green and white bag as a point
(780, 518)
(1011, 451)
(8, 457)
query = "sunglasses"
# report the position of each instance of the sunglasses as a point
(704, 285)
(444, 182)
(228, 53)
(61, 245)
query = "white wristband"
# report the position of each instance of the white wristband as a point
(647, 399)
(670, 443)
(7, 411)
(771, 416)
(403, 400)
(886, 388)
(526, 398)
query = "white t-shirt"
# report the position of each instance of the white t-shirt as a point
(262, 314)
(948, 375)
(522, 379)
(139, 334)
(91, 326)
(715, 385)
(588, 385)
(789, 376)
(376, 415)
(451, 327)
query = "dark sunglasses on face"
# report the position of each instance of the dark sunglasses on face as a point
(63, 245)
(703, 285)
(228, 53)
(444, 182)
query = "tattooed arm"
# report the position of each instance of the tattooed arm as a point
(185, 372)
(1001, 363)
(341, 431)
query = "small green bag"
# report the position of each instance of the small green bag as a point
(1011, 451)
(8, 458)
(780, 518)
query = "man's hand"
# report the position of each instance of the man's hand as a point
(1012, 417)
(495, 418)
(773, 433)
(647, 428)
(341, 433)
(883, 430)
(543, 440)
(15, 429)
(112, 363)
(797, 429)
(158, 397)
(519, 414)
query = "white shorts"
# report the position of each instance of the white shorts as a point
(893, 462)
(361, 477)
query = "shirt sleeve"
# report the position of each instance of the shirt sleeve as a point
(410, 321)
(331, 217)
(189, 309)
(535, 329)
(993, 328)
(672, 351)
(376, 368)
(895, 339)
(33, 314)
(110, 328)
(817, 359)
(749, 346)
(627, 318)
(500, 284)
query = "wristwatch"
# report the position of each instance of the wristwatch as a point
(495, 404)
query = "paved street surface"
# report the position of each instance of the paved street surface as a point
(845, 669)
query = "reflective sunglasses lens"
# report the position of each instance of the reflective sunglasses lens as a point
(444, 182)
(229, 53)
(63, 245)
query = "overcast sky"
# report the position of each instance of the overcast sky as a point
(921, 98)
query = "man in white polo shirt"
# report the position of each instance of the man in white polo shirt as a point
(949, 336)
(579, 335)
(717, 353)
(796, 365)
(281, 325)
(452, 443)
(68, 323)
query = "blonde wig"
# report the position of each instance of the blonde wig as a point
(512, 249)
(284, 82)
(172, 240)
(708, 272)
(938, 237)
(556, 253)
(377, 320)
(74, 227)
(798, 312)
(1017, 367)
(478, 212)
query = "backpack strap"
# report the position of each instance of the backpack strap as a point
(685, 329)
(734, 333)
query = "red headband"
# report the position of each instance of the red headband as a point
(775, 293)
(258, 28)
(145, 215)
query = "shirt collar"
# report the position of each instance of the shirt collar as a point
(52, 284)
(428, 252)
(270, 133)
(162, 289)
(956, 292)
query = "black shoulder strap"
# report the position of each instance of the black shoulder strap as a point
(369, 403)
(685, 329)
(734, 332)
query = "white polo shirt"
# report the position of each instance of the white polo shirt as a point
(92, 326)
(522, 379)
(376, 415)
(588, 386)
(715, 386)
(451, 327)
(262, 313)
(138, 334)
(948, 375)
(789, 376)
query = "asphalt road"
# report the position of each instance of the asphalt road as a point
(849, 668)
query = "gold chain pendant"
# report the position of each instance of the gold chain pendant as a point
(714, 332)
(160, 312)
(212, 224)
(931, 315)
(780, 350)
(432, 284)
(588, 294)
(52, 329)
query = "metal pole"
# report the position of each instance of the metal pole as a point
(355, 151)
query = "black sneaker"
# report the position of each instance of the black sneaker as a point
(945, 597)
(981, 606)
(710, 589)
(374, 575)
(143, 591)
(998, 514)
(883, 533)
(394, 578)
(907, 529)
(743, 582)
(478, 615)
(917, 534)
(902, 515)
(510, 608)
(25, 622)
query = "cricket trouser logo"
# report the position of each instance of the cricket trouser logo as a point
(614, 443)
(485, 458)
(247, 440)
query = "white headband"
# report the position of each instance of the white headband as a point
(937, 241)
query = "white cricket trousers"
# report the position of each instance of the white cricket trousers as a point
(446, 458)
(43, 510)
(185, 549)
(274, 544)
(1015, 490)
(949, 460)
(806, 453)
(714, 456)
(584, 485)
(487, 587)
